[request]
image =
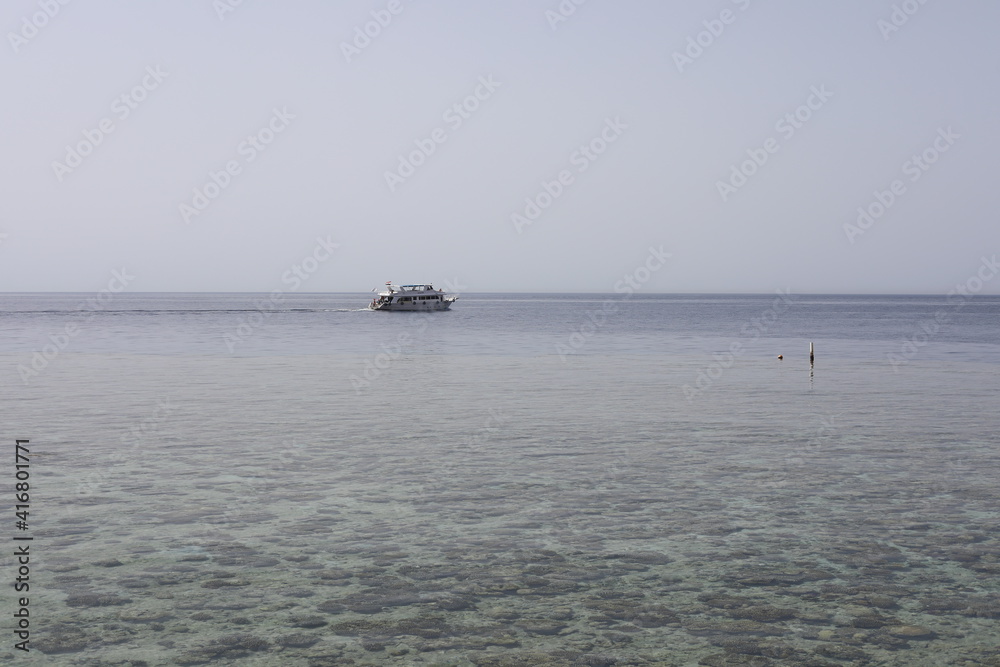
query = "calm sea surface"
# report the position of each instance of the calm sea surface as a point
(524, 480)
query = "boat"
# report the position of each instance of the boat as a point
(411, 297)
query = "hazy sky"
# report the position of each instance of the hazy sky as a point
(622, 121)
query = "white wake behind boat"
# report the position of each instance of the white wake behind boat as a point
(411, 297)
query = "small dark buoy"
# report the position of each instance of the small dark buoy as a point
(781, 356)
(811, 355)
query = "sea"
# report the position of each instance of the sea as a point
(526, 479)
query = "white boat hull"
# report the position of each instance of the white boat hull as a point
(416, 307)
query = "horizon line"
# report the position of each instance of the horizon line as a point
(622, 294)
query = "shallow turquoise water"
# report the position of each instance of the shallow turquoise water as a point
(515, 508)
